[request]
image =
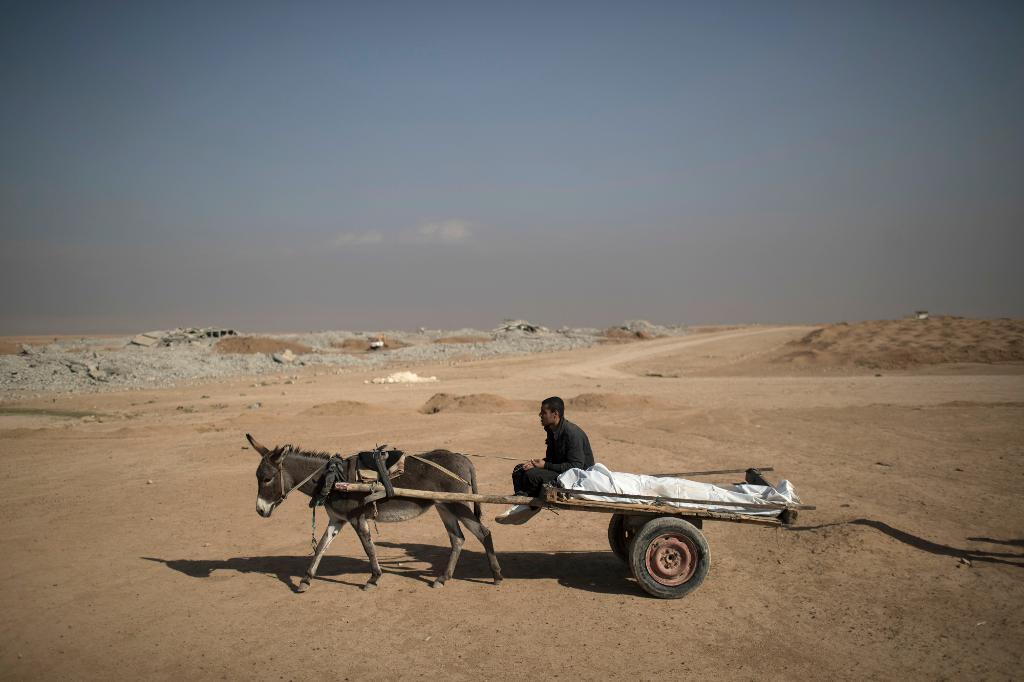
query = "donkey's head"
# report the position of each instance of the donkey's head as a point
(271, 478)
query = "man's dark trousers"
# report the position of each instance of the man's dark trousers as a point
(529, 481)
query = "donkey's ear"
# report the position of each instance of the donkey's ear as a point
(277, 455)
(256, 446)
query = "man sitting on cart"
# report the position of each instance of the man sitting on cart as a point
(567, 447)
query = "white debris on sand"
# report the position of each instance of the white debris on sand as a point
(283, 358)
(403, 378)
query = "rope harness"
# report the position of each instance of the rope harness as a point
(351, 465)
(280, 473)
(442, 469)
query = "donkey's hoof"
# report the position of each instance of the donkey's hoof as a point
(369, 586)
(438, 582)
(303, 586)
(498, 581)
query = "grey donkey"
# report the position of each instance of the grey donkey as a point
(285, 468)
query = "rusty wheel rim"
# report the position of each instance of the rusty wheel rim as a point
(671, 559)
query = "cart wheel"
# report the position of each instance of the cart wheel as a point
(669, 557)
(619, 536)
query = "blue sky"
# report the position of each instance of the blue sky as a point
(291, 166)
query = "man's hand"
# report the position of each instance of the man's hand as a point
(538, 463)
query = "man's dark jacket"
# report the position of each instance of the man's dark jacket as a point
(568, 448)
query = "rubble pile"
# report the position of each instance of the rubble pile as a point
(180, 335)
(520, 326)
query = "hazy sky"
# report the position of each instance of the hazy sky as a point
(294, 166)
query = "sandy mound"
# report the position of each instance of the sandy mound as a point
(9, 348)
(463, 339)
(341, 408)
(477, 403)
(352, 345)
(248, 345)
(899, 344)
(620, 335)
(634, 330)
(612, 401)
(482, 403)
(363, 345)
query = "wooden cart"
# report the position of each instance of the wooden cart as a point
(662, 544)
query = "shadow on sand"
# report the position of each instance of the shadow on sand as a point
(597, 571)
(922, 544)
(1011, 543)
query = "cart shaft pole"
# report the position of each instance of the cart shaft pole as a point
(445, 497)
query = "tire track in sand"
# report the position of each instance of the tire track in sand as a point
(606, 365)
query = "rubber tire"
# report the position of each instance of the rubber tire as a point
(619, 538)
(652, 530)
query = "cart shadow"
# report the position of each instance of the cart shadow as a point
(920, 543)
(595, 571)
(590, 571)
(993, 541)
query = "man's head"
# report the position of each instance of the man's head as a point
(552, 411)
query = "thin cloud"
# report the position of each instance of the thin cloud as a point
(446, 231)
(439, 232)
(358, 238)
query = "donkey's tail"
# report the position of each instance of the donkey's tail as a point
(472, 485)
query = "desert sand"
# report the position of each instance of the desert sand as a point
(132, 547)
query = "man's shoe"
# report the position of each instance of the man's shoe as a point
(754, 477)
(517, 514)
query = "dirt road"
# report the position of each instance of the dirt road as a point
(131, 546)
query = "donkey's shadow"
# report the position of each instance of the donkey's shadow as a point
(591, 571)
(287, 569)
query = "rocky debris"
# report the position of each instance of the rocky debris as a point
(622, 334)
(285, 358)
(90, 370)
(76, 366)
(97, 374)
(520, 326)
(636, 330)
(641, 327)
(146, 340)
(96, 364)
(180, 335)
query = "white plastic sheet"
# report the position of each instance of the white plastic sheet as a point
(599, 478)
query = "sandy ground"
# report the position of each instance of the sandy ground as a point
(132, 548)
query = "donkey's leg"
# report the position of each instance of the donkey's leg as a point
(362, 529)
(455, 536)
(483, 534)
(332, 531)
